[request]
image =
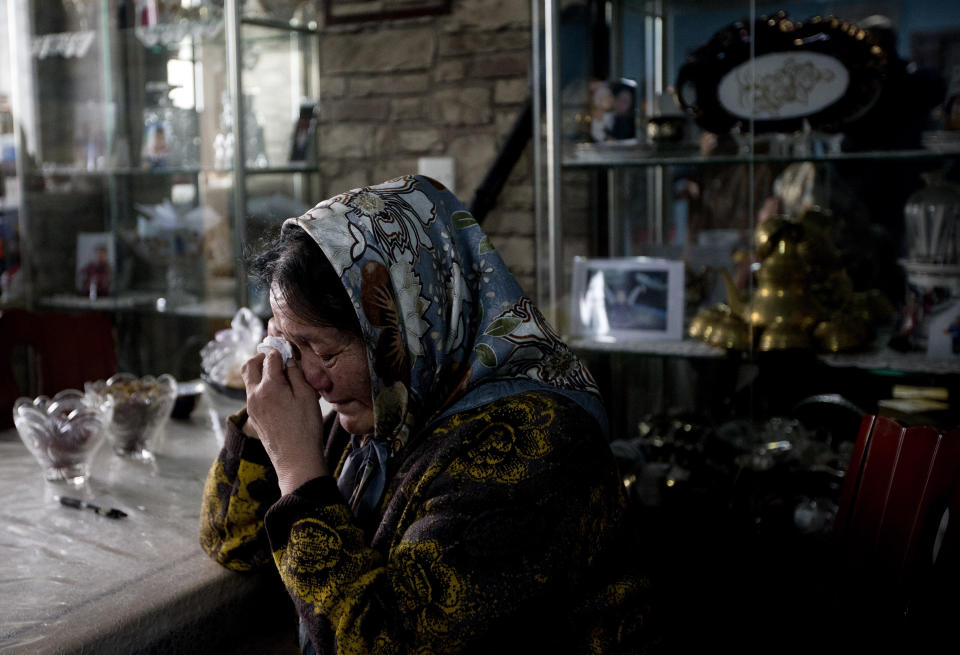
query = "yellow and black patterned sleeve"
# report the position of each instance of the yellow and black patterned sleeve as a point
(502, 533)
(240, 486)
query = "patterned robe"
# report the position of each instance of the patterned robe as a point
(503, 530)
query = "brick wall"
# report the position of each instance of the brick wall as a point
(449, 85)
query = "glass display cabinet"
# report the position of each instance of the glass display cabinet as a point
(152, 142)
(781, 169)
(736, 233)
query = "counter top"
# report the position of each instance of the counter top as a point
(75, 581)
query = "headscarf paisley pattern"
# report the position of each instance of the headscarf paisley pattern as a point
(446, 325)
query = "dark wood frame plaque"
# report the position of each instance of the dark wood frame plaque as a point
(357, 11)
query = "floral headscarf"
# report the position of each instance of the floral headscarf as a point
(447, 327)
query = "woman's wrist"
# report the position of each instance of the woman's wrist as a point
(290, 481)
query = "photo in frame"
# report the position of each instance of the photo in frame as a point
(613, 109)
(303, 131)
(628, 298)
(96, 264)
(155, 150)
(943, 334)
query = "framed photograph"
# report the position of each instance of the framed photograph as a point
(613, 109)
(303, 131)
(155, 151)
(628, 298)
(96, 264)
(943, 337)
(355, 11)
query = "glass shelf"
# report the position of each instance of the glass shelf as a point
(149, 302)
(288, 168)
(881, 359)
(885, 359)
(70, 171)
(595, 155)
(260, 21)
(172, 36)
(666, 348)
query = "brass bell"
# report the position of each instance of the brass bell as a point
(769, 232)
(840, 334)
(783, 265)
(730, 332)
(703, 322)
(784, 336)
(792, 304)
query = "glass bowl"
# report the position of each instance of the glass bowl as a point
(141, 408)
(63, 432)
(222, 401)
(187, 395)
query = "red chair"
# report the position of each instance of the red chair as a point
(52, 352)
(898, 529)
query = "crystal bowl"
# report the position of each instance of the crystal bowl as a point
(222, 401)
(187, 395)
(141, 408)
(63, 432)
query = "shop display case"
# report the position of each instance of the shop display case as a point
(716, 136)
(775, 154)
(153, 142)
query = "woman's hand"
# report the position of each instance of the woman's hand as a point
(285, 413)
(248, 429)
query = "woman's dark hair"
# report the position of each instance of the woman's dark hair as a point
(296, 265)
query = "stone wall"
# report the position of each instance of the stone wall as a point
(450, 85)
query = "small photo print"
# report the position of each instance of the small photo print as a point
(636, 297)
(303, 131)
(943, 338)
(613, 109)
(155, 152)
(96, 264)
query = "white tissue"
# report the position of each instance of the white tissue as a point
(279, 344)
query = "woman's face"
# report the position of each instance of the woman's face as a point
(334, 363)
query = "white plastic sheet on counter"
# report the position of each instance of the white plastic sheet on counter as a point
(69, 574)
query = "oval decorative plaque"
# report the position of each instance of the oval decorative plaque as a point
(774, 74)
(783, 85)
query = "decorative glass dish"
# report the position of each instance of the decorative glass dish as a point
(63, 432)
(141, 408)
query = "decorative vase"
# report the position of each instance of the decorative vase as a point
(932, 222)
